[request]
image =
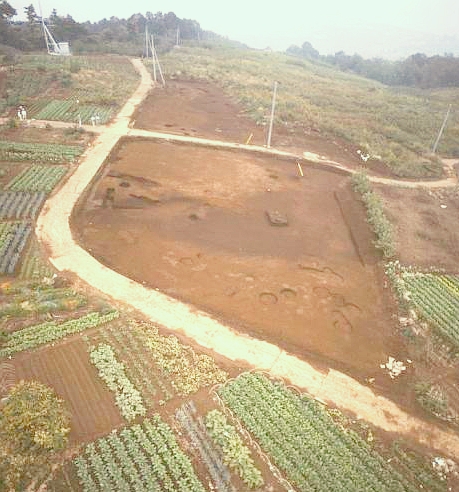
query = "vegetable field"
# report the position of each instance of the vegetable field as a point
(37, 178)
(235, 452)
(434, 296)
(34, 266)
(71, 111)
(158, 366)
(13, 239)
(143, 457)
(38, 152)
(127, 396)
(28, 298)
(50, 331)
(20, 204)
(211, 456)
(304, 442)
(24, 195)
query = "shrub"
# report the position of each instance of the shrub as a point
(33, 426)
(375, 214)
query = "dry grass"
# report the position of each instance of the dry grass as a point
(398, 124)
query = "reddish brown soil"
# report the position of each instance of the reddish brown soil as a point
(192, 222)
(200, 109)
(67, 369)
(425, 221)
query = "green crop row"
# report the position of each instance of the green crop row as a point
(37, 178)
(20, 204)
(209, 455)
(434, 296)
(72, 112)
(112, 372)
(235, 452)
(34, 266)
(38, 152)
(44, 333)
(376, 216)
(304, 442)
(142, 458)
(13, 239)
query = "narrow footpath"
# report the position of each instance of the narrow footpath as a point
(332, 387)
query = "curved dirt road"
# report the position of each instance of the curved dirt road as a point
(333, 387)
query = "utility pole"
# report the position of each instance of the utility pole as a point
(153, 53)
(434, 149)
(273, 106)
(156, 61)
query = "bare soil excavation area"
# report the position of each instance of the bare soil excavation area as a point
(199, 109)
(245, 237)
(282, 257)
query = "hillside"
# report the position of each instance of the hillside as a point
(397, 127)
(156, 260)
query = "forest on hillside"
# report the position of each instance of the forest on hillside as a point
(113, 35)
(418, 70)
(126, 36)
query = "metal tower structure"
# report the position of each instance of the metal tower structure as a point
(54, 48)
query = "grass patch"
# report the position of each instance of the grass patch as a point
(398, 124)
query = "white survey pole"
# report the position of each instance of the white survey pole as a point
(434, 149)
(273, 106)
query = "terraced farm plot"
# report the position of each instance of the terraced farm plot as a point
(72, 112)
(38, 152)
(36, 297)
(66, 368)
(306, 444)
(37, 178)
(144, 457)
(16, 205)
(13, 239)
(434, 296)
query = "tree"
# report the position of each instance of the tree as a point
(33, 426)
(306, 51)
(53, 16)
(7, 11)
(136, 24)
(31, 14)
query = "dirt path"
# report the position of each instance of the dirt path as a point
(332, 387)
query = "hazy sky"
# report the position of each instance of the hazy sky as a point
(364, 26)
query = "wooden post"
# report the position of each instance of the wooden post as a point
(300, 169)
